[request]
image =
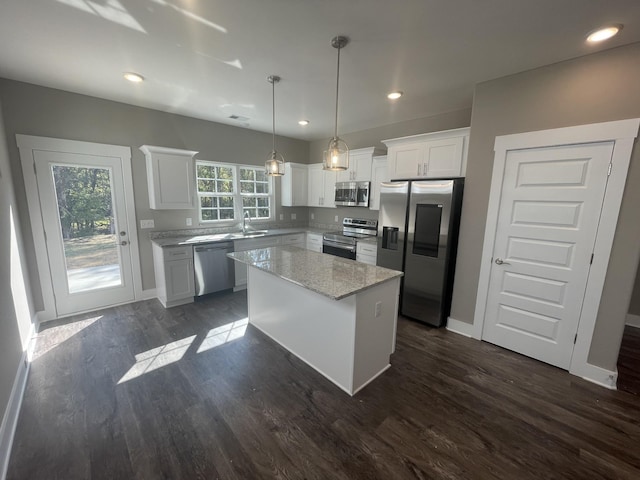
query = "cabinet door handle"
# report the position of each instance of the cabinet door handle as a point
(418, 174)
(425, 168)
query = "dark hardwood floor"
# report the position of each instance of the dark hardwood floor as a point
(142, 392)
(629, 361)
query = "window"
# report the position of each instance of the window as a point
(226, 192)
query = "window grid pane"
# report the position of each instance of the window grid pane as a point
(216, 186)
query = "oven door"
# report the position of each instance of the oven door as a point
(339, 249)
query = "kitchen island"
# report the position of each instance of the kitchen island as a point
(337, 315)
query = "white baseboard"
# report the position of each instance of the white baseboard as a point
(599, 376)
(148, 294)
(10, 419)
(633, 320)
(459, 327)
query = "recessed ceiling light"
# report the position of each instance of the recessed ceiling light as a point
(304, 123)
(133, 77)
(394, 95)
(603, 33)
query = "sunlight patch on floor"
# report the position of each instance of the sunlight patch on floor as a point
(224, 334)
(63, 333)
(157, 358)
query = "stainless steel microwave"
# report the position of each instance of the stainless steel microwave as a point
(352, 194)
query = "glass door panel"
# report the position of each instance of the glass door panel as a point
(84, 197)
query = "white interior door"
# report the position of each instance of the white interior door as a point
(82, 199)
(546, 230)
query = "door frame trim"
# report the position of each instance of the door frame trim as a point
(27, 144)
(622, 133)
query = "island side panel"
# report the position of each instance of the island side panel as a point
(375, 336)
(318, 330)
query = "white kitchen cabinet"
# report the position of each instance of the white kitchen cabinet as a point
(360, 162)
(321, 186)
(429, 155)
(245, 244)
(316, 185)
(294, 185)
(170, 177)
(366, 253)
(314, 242)
(295, 239)
(173, 267)
(379, 174)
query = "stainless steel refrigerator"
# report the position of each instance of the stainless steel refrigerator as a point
(418, 233)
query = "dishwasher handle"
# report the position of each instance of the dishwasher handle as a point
(216, 246)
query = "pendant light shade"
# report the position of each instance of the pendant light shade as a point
(274, 165)
(337, 155)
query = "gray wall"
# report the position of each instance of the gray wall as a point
(33, 110)
(634, 306)
(374, 136)
(596, 88)
(15, 299)
(325, 217)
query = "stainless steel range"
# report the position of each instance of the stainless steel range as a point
(343, 243)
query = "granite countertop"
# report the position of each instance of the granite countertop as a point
(328, 275)
(221, 237)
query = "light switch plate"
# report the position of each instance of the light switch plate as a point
(147, 224)
(189, 221)
(282, 216)
(313, 216)
(293, 216)
(335, 219)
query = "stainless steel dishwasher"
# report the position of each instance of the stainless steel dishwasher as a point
(213, 270)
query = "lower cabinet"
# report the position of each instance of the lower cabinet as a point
(314, 242)
(367, 253)
(174, 275)
(249, 244)
(295, 239)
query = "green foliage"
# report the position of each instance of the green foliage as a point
(84, 200)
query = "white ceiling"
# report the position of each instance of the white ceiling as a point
(210, 58)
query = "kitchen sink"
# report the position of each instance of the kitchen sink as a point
(255, 233)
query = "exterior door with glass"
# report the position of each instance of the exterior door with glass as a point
(82, 199)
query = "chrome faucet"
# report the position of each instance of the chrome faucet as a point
(244, 221)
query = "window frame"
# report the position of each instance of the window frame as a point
(238, 196)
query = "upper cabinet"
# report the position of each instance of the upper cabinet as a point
(322, 185)
(294, 185)
(379, 174)
(171, 177)
(437, 154)
(360, 162)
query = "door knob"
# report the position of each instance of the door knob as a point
(499, 261)
(123, 233)
(124, 242)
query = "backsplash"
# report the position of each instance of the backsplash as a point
(228, 229)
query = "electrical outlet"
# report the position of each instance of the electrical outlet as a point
(335, 219)
(313, 216)
(293, 216)
(147, 224)
(189, 222)
(282, 216)
(378, 309)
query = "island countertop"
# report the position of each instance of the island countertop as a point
(328, 275)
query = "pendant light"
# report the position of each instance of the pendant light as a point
(337, 155)
(274, 165)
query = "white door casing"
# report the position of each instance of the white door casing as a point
(98, 295)
(622, 133)
(115, 158)
(547, 224)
